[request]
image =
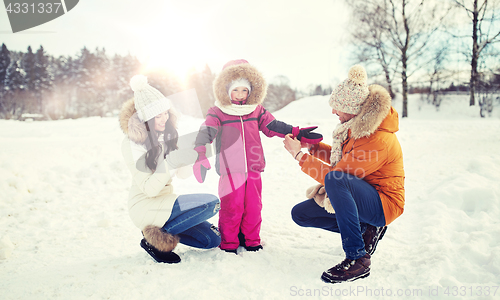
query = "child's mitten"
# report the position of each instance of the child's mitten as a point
(201, 165)
(305, 135)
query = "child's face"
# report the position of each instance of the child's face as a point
(160, 121)
(239, 93)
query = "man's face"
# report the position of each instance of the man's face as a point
(343, 117)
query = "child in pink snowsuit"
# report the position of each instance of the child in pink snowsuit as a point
(235, 123)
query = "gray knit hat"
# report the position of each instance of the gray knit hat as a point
(149, 102)
(352, 92)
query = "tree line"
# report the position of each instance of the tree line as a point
(92, 83)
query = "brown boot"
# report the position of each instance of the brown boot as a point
(372, 236)
(159, 244)
(348, 270)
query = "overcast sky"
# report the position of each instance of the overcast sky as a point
(303, 40)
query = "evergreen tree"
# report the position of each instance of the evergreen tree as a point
(64, 88)
(116, 81)
(28, 65)
(14, 85)
(101, 79)
(43, 79)
(4, 64)
(122, 69)
(88, 103)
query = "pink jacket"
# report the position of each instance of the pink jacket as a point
(238, 145)
(236, 128)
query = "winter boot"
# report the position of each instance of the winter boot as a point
(161, 257)
(241, 238)
(372, 236)
(235, 251)
(348, 270)
(159, 244)
(254, 248)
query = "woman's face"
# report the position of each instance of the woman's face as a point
(239, 94)
(160, 121)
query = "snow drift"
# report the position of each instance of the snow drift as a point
(65, 231)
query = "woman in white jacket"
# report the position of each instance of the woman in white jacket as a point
(149, 150)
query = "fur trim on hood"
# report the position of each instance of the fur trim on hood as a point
(373, 111)
(247, 71)
(132, 126)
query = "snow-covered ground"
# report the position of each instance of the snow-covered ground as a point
(65, 232)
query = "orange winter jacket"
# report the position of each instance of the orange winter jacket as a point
(377, 158)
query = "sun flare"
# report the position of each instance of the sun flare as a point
(174, 42)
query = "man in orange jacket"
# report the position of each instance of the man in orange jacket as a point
(362, 174)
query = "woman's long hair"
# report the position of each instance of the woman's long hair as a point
(170, 137)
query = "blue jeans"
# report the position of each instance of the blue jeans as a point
(190, 224)
(356, 204)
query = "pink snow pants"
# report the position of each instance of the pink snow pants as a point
(241, 205)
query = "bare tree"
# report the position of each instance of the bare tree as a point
(372, 42)
(397, 34)
(484, 17)
(437, 75)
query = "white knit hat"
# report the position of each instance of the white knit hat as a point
(349, 96)
(149, 102)
(239, 82)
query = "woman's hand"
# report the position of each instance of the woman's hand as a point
(292, 145)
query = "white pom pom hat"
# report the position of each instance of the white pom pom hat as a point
(352, 92)
(149, 102)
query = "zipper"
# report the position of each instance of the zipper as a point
(244, 146)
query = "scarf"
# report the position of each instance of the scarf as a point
(236, 110)
(339, 136)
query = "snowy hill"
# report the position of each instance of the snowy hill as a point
(65, 232)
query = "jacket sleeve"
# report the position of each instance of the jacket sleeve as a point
(314, 167)
(150, 183)
(321, 151)
(180, 158)
(208, 130)
(366, 156)
(272, 127)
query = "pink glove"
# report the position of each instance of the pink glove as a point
(201, 165)
(305, 135)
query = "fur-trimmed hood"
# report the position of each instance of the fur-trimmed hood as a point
(247, 71)
(132, 126)
(373, 113)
